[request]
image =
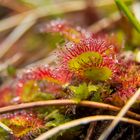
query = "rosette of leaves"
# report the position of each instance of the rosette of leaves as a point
(40, 83)
(24, 124)
(93, 58)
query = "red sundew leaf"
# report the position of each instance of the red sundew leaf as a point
(93, 56)
(41, 79)
(43, 72)
(109, 39)
(65, 29)
(127, 81)
(121, 96)
(129, 75)
(23, 124)
(6, 96)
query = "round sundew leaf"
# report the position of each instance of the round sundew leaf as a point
(98, 74)
(84, 59)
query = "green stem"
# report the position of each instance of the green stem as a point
(129, 14)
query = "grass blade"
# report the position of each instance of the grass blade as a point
(122, 6)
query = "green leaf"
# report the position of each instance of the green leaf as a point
(97, 97)
(92, 88)
(56, 118)
(31, 92)
(42, 96)
(4, 135)
(122, 6)
(98, 74)
(54, 39)
(82, 91)
(85, 58)
(11, 70)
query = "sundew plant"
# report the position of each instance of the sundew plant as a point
(89, 76)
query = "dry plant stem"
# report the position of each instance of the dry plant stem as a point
(30, 19)
(81, 121)
(119, 116)
(15, 6)
(10, 61)
(65, 7)
(6, 128)
(59, 8)
(105, 22)
(107, 107)
(90, 130)
(90, 104)
(11, 21)
(47, 60)
(16, 34)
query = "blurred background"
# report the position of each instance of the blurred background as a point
(22, 44)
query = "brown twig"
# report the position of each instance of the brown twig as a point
(119, 116)
(107, 107)
(10, 61)
(7, 44)
(92, 126)
(90, 104)
(30, 20)
(90, 131)
(81, 121)
(47, 10)
(15, 6)
(65, 7)
(105, 22)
